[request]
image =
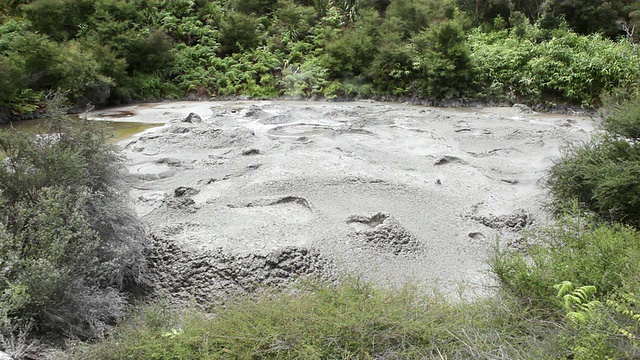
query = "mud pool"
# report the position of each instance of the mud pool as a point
(238, 195)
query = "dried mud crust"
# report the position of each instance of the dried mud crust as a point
(383, 233)
(380, 189)
(212, 275)
(513, 222)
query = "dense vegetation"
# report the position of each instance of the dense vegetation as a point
(113, 51)
(71, 252)
(70, 249)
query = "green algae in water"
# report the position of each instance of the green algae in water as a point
(124, 130)
(121, 129)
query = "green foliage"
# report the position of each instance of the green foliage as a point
(305, 80)
(586, 17)
(602, 174)
(239, 32)
(294, 21)
(391, 70)
(621, 117)
(577, 302)
(443, 61)
(352, 52)
(521, 67)
(352, 320)
(68, 243)
(577, 250)
(485, 11)
(599, 329)
(59, 19)
(143, 50)
(417, 15)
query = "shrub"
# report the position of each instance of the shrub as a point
(352, 52)
(603, 174)
(239, 32)
(60, 19)
(418, 15)
(599, 328)
(68, 242)
(443, 61)
(520, 64)
(575, 249)
(304, 80)
(391, 70)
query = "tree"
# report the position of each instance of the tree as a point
(418, 15)
(586, 16)
(443, 61)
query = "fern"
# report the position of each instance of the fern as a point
(625, 308)
(577, 301)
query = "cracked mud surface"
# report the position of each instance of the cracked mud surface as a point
(259, 192)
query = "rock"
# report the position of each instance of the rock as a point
(152, 197)
(193, 118)
(177, 129)
(254, 111)
(5, 356)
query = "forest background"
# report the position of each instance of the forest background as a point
(539, 52)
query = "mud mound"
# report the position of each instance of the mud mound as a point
(302, 129)
(192, 118)
(384, 233)
(277, 120)
(514, 222)
(212, 275)
(448, 159)
(183, 135)
(272, 201)
(344, 113)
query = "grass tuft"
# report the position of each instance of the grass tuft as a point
(353, 320)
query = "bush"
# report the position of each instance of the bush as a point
(443, 61)
(522, 66)
(418, 15)
(352, 52)
(575, 249)
(391, 71)
(238, 33)
(603, 174)
(68, 242)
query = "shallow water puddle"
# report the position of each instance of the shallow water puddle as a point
(121, 129)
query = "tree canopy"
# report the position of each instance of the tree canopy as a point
(114, 51)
